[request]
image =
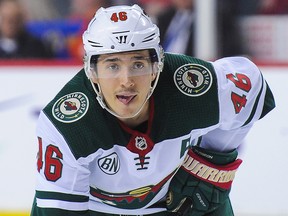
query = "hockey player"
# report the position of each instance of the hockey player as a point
(142, 132)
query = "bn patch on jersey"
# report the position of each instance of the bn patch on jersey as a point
(193, 79)
(70, 107)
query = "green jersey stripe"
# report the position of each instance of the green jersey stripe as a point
(61, 196)
(255, 105)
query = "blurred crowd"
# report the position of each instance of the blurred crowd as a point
(52, 29)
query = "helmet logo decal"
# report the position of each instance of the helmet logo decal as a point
(122, 39)
(70, 107)
(193, 79)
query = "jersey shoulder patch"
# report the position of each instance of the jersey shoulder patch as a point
(70, 107)
(193, 79)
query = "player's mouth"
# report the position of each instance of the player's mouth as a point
(125, 98)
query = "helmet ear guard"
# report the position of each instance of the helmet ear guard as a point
(90, 70)
(86, 66)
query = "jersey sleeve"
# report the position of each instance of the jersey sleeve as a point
(244, 97)
(62, 183)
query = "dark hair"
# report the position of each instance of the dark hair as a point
(152, 54)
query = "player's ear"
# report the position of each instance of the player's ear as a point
(153, 76)
(154, 71)
(94, 80)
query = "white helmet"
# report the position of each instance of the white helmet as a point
(121, 29)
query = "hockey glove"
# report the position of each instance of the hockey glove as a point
(203, 182)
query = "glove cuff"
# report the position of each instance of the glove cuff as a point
(219, 175)
(218, 158)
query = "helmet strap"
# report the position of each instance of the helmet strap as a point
(102, 103)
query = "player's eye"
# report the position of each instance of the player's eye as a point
(113, 67)
(138, 65)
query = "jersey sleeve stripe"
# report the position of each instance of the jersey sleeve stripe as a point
(61, 196)
(269, 102)
(254, 109)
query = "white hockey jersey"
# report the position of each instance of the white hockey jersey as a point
(89, 160)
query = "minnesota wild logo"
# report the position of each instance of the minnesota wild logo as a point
(70, 107)
(193, 79)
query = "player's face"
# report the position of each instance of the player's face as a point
(125, 80)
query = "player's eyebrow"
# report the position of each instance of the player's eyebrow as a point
(140, 57)
(115, 59)
(110, 59)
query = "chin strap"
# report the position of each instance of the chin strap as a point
(101, 100)
(102, 103)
